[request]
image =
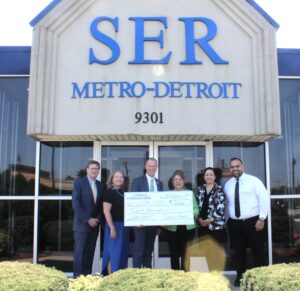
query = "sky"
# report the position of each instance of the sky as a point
(15, 16)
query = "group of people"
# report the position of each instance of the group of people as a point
(244, 197)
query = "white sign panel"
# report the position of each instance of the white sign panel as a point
(159, 208)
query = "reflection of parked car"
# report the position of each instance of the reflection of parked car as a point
(296, 236)
(297, 244)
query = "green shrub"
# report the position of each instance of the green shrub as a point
(280, 277)
(85, 283)
(152, 279)
(15, 276)
(5, 241)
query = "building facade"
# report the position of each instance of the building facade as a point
(190, 89)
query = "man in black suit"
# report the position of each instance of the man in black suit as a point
(145, 235)
(86, 202)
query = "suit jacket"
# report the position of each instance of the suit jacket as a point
(83, 204)
(140, 184)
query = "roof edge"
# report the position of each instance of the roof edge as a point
(44, 12)
(263, 13)
(54, 3)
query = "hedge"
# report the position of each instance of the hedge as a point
(152, 279)
(280, 277)
(17, 276)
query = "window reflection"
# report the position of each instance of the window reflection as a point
(16, 230)
(17, 150)
(55, 234)
(189, 159)
(286, 230)
(285, 151)
(128, 159)
(252, 155)
(61, 164)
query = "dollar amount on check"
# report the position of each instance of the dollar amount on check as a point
(159, 208)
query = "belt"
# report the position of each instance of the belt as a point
(245, 219)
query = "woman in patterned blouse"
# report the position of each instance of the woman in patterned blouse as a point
(212, 207)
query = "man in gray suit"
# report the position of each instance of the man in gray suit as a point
(145, 235)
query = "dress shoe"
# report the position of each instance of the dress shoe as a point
(237, 282)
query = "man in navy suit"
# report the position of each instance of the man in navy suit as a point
(86, 202)
(145, 235)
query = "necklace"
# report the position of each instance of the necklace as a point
(119, 192)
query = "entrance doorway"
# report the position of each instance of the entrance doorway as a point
(191, 158)
(130, 159)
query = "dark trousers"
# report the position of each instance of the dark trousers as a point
(178, 241)
(242, 235)
(84, 249)
(144, 238)
(217, 235)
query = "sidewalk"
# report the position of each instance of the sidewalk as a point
(231, 278)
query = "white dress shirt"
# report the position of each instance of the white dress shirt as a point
(149, 182)
(254, 198)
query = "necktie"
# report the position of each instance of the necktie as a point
(237, 199)
(151, 185)
(94, 190)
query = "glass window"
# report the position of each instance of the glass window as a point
(286, 230)
(17, 150)
(16, 230)
(56, 235)
(285, 150)
(252, 155)
(61, 164)
(189, 159)
(128, 159)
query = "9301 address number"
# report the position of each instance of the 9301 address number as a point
(149, 117)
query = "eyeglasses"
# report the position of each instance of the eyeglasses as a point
(94, 169)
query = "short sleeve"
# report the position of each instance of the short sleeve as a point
(108, 196)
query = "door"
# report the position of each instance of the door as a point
(130, 159)
(191, 159)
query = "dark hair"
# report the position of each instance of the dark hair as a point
(235, 159)
(150, 159)
(217, 171)
(93, 162)
(209, 168)
(178, 173)
(109, 181)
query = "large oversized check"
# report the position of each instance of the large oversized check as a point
(159, 208)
